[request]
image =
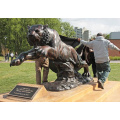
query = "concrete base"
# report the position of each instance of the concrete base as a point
(83, 93)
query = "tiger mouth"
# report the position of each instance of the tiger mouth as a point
(34, 37)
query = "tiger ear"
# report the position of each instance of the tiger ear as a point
(45, 26)
(28, 26)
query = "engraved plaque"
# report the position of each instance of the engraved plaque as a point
(23, 91)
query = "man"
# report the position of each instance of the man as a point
(8, 55)
(100, 47)
(40, 63)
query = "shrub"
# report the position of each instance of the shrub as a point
(114, 58)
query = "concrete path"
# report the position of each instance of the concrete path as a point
(24, 62)
(115, 61)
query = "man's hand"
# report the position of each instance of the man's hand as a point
(79, 39)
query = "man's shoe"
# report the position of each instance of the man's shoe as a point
(100, 84)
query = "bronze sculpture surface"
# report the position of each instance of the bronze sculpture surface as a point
(63, 58)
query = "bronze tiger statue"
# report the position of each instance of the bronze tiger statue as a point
(63, 58)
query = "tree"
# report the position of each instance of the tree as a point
(15, 29)
(67, 29)
(107, 36)
(3, 32)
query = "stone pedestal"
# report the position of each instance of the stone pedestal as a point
(84, 93)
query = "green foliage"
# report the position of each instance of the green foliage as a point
(114, 58)
(107, 36)
(15, 29)
(67, 29)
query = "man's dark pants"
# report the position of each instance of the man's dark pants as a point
(103, 70)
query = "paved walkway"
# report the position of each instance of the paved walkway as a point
(115, 61)
(24, 62)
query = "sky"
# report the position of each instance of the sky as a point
(96, 25)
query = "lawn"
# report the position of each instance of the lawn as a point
(25, 73)
(2, 58)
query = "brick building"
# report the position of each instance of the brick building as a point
(114, 52)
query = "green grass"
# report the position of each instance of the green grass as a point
(114, 74)
(25, 73)
(2, 58)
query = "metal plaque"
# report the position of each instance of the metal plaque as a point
(23, 91)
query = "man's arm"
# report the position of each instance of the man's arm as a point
(112, 46)
(86, 43)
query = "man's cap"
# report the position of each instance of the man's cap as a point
(99, 34)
